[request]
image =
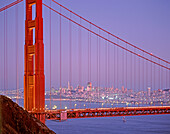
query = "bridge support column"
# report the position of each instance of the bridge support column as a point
(34, 79)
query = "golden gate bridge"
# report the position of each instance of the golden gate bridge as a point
(77, 52)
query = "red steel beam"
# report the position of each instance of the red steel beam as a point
(108, 112)
(10, 5)
(111, 33)
(107, 39)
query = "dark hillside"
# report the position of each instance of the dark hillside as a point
(14, 119)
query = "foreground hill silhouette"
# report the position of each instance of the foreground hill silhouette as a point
(14, 119)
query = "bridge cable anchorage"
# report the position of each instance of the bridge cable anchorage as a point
(111, 33)
(107, 39)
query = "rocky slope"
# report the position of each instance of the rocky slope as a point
(15, 120)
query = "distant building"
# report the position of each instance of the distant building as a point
(89, 86)
(149, 91)
(68, 86)
(123, 89)
(80, 88)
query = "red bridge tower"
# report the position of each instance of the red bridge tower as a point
(34, 79)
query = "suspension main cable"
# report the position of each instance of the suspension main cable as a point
(107, 39)
(111, 33)
(10, 5)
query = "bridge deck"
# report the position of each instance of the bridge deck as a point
(105, 112)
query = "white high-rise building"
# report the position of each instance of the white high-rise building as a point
(149, 91)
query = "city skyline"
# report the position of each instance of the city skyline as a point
(144, 22)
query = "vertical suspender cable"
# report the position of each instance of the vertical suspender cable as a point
(131, 73)
(143, 74)
(106, 72)
(80, 86)
(166, 71)
(88, 65)
(153, 80)
(162, 78)
(17, 54)
(154, 77)
(139, 80)
(139, 76)
(159, 76)
(70, 29)
(144, 69)
(146, 75)
(126, 74)
(126, 66)
(90, 52)
(151, 73)
(134, 73)
(99, 66)
(90, 68)
(60, 59)
(50, 56)
(123, 68)
(88, 58)
(117, 64)
(169, 80)
(114, 65)
(4, 51)
(97, 89)
(166, 76)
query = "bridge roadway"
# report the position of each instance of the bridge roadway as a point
(64, 114)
